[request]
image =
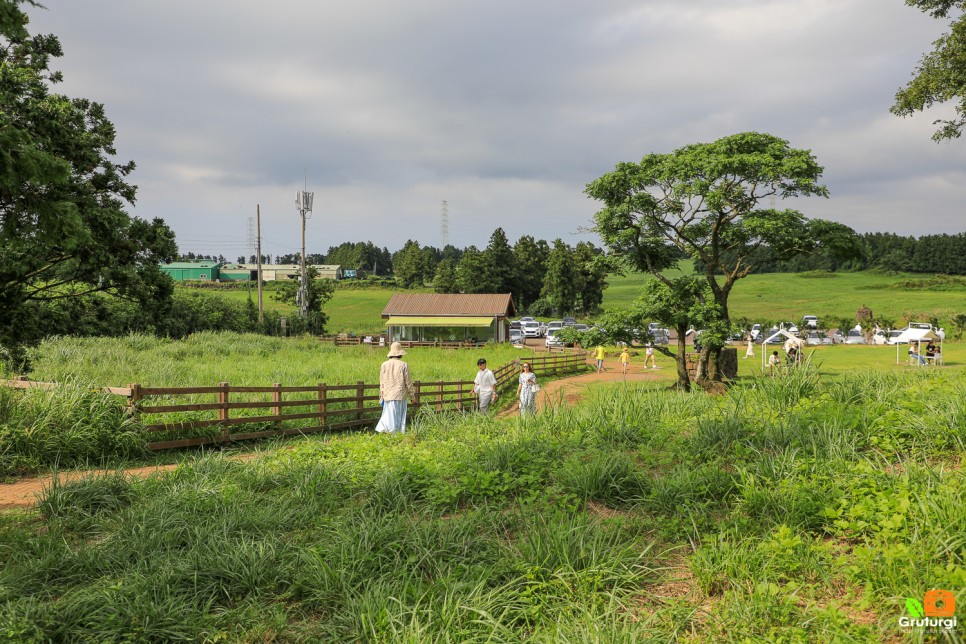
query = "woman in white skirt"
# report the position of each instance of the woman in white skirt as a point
(395, 389)
(527, 390)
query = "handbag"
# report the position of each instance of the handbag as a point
(535, 388)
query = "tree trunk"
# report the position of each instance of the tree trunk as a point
(684, 381)
(712, 372)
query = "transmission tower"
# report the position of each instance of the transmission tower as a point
(444, 225)
(251, 239)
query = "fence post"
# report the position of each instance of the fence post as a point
(132, 404)
(277, 409)
(223, 409)
(323, 407)
(360, 392)
(418, 385)
(439, 396)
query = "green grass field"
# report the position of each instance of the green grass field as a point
(789, 296)
(351, 310)
(790, 510)
(773, 296)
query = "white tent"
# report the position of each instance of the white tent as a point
(789, 341)
(917, 336)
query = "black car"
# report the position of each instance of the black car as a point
(569, 321)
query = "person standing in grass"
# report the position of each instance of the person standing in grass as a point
(774, 362)
(395, 389)
(527, 390)
(599, 353)
(485, 386)
(625, 358)
(750, 352)
(649, 355)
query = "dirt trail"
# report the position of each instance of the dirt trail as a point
(570, 389)
(24, 492)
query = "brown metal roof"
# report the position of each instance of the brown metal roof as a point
(449, 304)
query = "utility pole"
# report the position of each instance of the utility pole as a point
(444, 226)
(303, 201)
(258, 257)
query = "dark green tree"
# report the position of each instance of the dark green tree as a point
(502, 271)
(530, 257)
(472, 273)
(64, 231)
(410, 266)
(941, 74)
(445, 279)
(319, 293)
(561, 283)
(702, 202)
(593, 277)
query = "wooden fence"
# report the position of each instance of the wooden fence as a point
(375, 343)
(327, 407)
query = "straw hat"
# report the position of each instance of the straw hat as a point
(395, 350)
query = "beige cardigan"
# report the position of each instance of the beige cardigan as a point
(395, 383)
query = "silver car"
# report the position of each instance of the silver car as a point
(855, 337)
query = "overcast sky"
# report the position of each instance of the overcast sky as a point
(504, 109)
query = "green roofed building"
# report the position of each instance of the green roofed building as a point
(205, 270)
(433, 317)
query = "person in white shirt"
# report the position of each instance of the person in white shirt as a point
(485, 386)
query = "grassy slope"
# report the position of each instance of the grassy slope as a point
(791, 512)
(790, 296)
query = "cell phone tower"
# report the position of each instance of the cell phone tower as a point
(444, 225)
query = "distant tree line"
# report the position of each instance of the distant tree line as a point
(885, 251)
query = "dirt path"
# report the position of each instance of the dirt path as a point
(24, 492)
(570, 390)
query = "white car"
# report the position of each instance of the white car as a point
(855, 337)
(810, 321)
(516, 336)
(895, 337)
(553, 340)
(755, 332)
(555, 325)
(531, 328)
(814, 338)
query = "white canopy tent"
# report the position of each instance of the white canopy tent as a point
(917, 336)
(790, 340)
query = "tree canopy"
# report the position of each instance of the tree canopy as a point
(941, 74)
(64, 231)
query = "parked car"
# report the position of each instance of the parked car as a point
(880, 337)
(755, 332)
(790, 327)
(581, 327)
(515, 324)
(895, 337)
(837, 337)
(778, 339)
(815, 338)
(810, 321)
(531, 328)
(569, 321)
(553, 340)
(516, 336)
(855, 337)
(555, 325)
(527, 319)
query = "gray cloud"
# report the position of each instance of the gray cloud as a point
(505, 109)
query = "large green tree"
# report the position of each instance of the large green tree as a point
(941, 74)
(561, 282)
(703, 202)
(64, 231)
(411, 266)
(530, 257)
(502, 271)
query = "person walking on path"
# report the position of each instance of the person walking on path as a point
(649, 355)
(750, 352)
(527, 390)
(625, 358)
(485, 386)
(395, 389)
(599, 354)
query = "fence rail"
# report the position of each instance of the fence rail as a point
(332, 407)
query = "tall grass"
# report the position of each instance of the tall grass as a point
(792, 514)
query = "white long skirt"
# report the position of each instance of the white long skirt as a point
(393, 417)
